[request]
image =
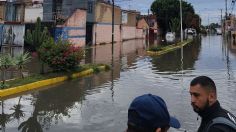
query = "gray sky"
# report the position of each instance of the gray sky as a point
(206, 8)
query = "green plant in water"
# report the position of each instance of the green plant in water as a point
(96, 69)
(4, 118)
(18, 112)
(21, 60)
(32, 124)
(156, 48)
(107, 67)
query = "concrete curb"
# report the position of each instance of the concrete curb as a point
(40, 84)
(168, 49)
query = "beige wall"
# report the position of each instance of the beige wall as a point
(128, 32)
(142, 24)
(140, 33)
(104, 13)
(132, 18)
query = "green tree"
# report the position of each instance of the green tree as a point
(18, 112)
(37, 37)
(4, 118)
(175, 25)
(32, 124)
(167, 9)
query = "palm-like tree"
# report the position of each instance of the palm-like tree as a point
(32, 124)
(4, 118)
(21, 60)
(18, 112)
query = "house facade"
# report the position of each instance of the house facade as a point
(129, 22)
(69, 17)
(102, 27)
(142, 28)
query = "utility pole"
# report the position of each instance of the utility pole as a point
(181, 21)
(148, 24)
(199, 21)
(221, 21)
(113, 17)
(209, 23)
(221, 16)
(226, 14)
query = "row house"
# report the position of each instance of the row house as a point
(69, 17)
(142, 28)
(230, 26)
(152, 22)
(99, 23)
(129, 24)
(79, 21)
(20, 10)
(99, 28)
(14, 14)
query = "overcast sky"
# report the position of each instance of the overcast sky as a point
(206, 8)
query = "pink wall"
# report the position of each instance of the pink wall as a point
(104, 33)
(77, 23)
(139, 33)
(128, 32)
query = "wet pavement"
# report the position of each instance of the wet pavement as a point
(99, 103)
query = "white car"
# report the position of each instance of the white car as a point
(170, 36)
(218, 31)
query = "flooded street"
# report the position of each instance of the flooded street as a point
(99, 103)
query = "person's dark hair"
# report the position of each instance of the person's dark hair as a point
(205, 82)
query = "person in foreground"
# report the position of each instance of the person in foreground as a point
(148, 113)
(205, 104)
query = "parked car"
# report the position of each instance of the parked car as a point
(170, 37)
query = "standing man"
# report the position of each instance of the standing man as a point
(204, 102)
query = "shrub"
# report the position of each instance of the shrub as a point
(21, 60)
(60, 56)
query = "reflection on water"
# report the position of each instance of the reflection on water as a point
(100, 102)
(172, 62)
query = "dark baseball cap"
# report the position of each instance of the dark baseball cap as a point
(150, 112)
